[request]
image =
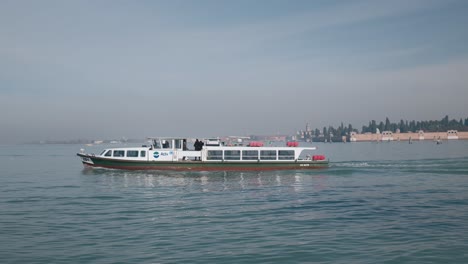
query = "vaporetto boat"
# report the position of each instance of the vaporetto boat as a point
(172, 154)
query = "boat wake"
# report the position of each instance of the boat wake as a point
(351, 164)
(443, 166)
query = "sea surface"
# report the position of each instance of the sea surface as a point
(389, 202)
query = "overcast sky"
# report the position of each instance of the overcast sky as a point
(112, 69)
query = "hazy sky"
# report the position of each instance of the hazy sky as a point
(108, 69)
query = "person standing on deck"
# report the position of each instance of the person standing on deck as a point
(197, 146)
(201, 144)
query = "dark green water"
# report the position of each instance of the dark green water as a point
(377, 203)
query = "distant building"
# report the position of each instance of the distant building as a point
(421, 135)
(452, 134)
(387, 136)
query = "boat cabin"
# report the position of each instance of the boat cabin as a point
(176, 149)
(172, 149)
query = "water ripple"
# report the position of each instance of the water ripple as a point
(358, 211)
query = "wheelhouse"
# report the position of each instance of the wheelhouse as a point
(168, 143)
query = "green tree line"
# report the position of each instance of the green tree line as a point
(404, 126)
(412, 126)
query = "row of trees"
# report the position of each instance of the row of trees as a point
(328, 133)
(403, 126)
(413, 126)
(336, 132)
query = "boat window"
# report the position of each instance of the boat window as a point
(142, 153)
(268, 154)
(119, 153)
(108, 153)
(285, 154)
(214, 155)
(232, 154)
(102, 153)
(166, 144)
(177, 143)
(132, 153)
(156, 144)
(250, 154)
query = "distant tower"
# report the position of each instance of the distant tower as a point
(307, 127)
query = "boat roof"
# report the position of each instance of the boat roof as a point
(205, 138)
(167, 137)
(258, 148)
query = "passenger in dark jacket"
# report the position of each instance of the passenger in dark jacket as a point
(197, 146)
(201, 144)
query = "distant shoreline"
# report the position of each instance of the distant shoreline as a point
(420, 136)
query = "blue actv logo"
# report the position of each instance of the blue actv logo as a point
(163, 153)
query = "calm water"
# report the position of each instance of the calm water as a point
(378, 203)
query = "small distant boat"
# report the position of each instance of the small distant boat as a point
(172, 154)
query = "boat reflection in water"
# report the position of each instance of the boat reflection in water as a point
(206, 181)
